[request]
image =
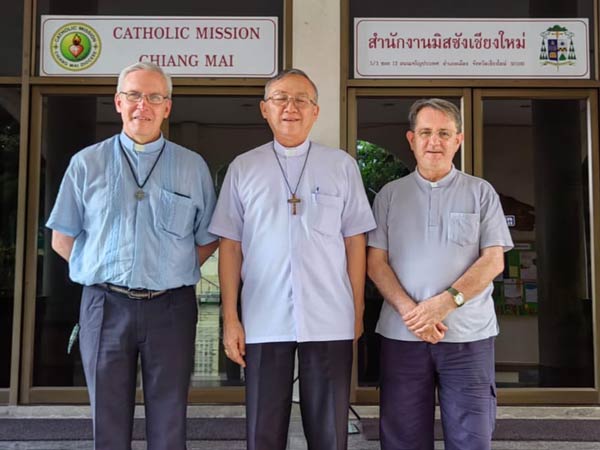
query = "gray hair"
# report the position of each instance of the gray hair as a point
(149, 66)
(287, 72)
(438, 104)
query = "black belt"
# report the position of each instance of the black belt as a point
(137, 294)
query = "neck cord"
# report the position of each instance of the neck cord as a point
(140, 193)
(301, 172)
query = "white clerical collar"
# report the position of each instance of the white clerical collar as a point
(442, 182)
(291, 151)
(133, 146)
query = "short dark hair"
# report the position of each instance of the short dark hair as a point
(287, 72)
(438, 104)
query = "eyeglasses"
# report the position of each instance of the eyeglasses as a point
(301, 101)
(443, 135)
(136, 97)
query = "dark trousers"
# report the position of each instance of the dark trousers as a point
(115, 331)
(324, 370)
(464, 376)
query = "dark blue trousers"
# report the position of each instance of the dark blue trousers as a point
(464, 376)
(324, 370)
(115, 332)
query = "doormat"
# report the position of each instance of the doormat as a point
(198, 429)
(519, 430)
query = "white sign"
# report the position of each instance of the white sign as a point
(471, 48)
(183, 46)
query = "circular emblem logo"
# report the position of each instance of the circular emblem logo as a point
(75, 46)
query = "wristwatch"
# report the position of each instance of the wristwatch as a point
(459, 297)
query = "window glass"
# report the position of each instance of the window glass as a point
(219, 128)
(10, 100)
(11, 36)
(544, 297)
(69, 123)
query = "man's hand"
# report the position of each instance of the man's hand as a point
(429, 312)
(434, 333)
(230, 266)
(234, 341)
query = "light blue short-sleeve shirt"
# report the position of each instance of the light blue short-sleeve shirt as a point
(433, 233)
(149, 243)
(295, 280)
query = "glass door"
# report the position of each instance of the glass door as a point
(219, 127)
(378, 122)
(219, 124)
(537, 150)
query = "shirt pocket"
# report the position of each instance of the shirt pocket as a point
(176, 215)
(464, 228)
(327, 214)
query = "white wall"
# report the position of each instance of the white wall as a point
(316, 50)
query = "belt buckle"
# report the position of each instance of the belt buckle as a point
(139, 294)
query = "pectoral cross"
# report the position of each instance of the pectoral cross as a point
(294, 201)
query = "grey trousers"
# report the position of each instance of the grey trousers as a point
(324, 370)
(115, 331)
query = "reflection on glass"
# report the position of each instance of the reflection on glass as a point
(9, 169)
(543, 299)
(219, 128)
(383, 155)
(69, 123)
(377, 167)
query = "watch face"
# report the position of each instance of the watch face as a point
(459, 299)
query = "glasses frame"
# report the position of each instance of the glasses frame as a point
(442, 135)
(280, 98)
(144, 96)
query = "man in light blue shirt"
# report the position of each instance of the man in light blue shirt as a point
(131, 219)
(438, 245)
(292, 216)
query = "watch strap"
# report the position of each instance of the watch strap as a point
(457, 296)
(452, 291)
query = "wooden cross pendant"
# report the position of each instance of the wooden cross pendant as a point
(294, 201)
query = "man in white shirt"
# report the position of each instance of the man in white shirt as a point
(292, 216)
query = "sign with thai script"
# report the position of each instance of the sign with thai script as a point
(471, 48)
(182, 46)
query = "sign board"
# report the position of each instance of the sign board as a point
(182, 46)
(471, 48)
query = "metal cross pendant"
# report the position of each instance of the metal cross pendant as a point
(139, 194)
(294, 201)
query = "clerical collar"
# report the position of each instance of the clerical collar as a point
(445, 181)
(135, 148)
(291, 151)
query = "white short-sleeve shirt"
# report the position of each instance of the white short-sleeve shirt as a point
(294, 273)
(433, 233)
